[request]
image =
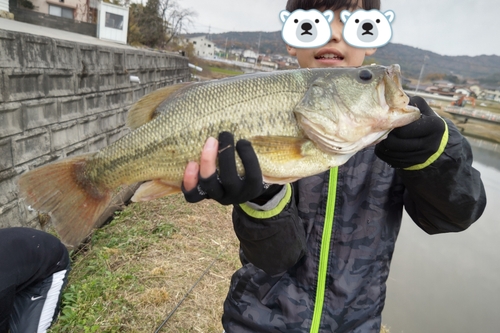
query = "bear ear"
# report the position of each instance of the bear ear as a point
(390, 15)
(329, 15)
(344, 15)
(284, 15)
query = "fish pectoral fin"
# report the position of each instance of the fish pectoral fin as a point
(154, 189)
(143, 111)
(279, 147)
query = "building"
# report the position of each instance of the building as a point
(203, 47)
(78, 10)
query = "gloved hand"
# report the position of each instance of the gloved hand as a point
(414, 143)
(227, 187)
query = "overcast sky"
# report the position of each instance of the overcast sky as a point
(446, 27)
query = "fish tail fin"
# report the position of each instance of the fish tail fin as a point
(64, 190)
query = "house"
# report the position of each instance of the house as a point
(491, 94)
(250, 56)
(4, 9)
(203, 47)
(78, 10)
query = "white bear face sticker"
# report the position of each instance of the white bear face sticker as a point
(367, 28)
(306, 28)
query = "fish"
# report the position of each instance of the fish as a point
(300, 122)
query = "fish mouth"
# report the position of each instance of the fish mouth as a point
(393, 97)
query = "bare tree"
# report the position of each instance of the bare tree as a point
(175, 18)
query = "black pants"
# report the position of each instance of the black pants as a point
(35, 308)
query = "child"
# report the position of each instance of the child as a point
(34, 268)
(316, 253)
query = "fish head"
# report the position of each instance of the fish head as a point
(347, 109)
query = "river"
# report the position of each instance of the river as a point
(450, 282)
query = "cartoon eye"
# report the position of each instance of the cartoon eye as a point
(296, 21)
(365, 75)
(378, 21)
(357, 21)
(316, 20)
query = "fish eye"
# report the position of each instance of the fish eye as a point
(365, 75)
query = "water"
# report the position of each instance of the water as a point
(450, 282)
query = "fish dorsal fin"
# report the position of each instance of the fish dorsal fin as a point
(143, 111)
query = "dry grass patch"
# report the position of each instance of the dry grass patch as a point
(140, 266)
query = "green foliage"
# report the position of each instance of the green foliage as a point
(93, 300)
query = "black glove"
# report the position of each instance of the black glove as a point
(228, 187)
(414, 143)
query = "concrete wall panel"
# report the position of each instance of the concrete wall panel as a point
(60, 98)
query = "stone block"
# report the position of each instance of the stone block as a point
(97, 143)
(60, 84)
(122, 80)
(118, 61)
(11, 119)
(66, 55)
(88, 59)
(89, 127)
(40, 112)
(109, 121)
(64, 135)
(131, 61)
(137, 94)
(6, 160)
(106, 81)
(23, 85)
(94, 103)
(115, 99)
(9, 215)
(87, 83)
(30, 145)
(10, 48)
(8, 186)
(37, 51)
(78, 149)
(105, 60)
(71, 108)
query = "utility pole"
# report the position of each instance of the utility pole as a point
(226, 49)
(421, 72)
(258, 50)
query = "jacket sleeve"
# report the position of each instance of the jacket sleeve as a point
(273, 240)
(448, 195)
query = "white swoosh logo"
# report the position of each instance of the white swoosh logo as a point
(33, 298)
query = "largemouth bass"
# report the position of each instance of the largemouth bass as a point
(300, 123)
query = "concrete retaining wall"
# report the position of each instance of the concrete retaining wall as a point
(60, 98)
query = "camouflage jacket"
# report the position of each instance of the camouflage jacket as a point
(315, 266)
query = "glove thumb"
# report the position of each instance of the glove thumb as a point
(422, 105)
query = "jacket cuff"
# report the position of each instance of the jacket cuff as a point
(272, 208)
(435, 156)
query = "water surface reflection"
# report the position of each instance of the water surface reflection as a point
(450, 282)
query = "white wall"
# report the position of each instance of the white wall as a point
(113, 23)
(4, 5)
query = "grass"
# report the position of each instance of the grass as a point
(226, 72)
(136, 269)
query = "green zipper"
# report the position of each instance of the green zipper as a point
(325, 250)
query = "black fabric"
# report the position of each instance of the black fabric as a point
(226, 186)
(27, 257)
(414, 143)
